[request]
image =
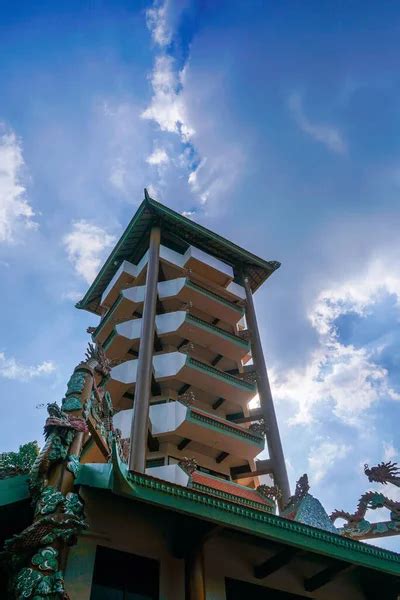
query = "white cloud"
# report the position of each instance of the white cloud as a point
(341, 374)
(208, 173)
(328, 135)
(123, 132)
(85, 245)
(15, 210)
(213, 178)
(118, 174)
(389, 451)
(189, 214)
(356, 295)
(157, 23)
(11, 369)
(153, 191)
(167, 107)
(158, 157)
(71, 295)
(162, 19)
(323, 456)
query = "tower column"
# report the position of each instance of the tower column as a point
(139, 429)
(196, 580)
(267, 404)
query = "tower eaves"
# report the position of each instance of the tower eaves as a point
(131, 246)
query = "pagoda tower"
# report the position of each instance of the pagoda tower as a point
(179, 324)
(148, 486)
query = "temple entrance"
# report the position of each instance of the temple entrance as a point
(237, 590)
(122, 576)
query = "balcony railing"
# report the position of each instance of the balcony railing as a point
(214, 296)
(197, 364)
(208, 326)
(201, 416)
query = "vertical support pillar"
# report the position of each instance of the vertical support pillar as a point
(195, 575)
(137, 455)
(267, 404)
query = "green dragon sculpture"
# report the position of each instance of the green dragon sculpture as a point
(356, 525)
(36, 554)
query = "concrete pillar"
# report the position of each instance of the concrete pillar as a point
(137, 456)
(196, 579)
(267, 404)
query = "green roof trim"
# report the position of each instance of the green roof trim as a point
(227, 513)
(131, 246)
(270, 507)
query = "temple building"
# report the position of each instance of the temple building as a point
(149, 485)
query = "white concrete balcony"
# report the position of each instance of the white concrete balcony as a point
(175, 292)
(171, 473)
(174, 422)
(175, 369)
(201, 265)
(126, 275)
(175, 327)
(128, 301)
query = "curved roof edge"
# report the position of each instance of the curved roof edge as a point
(222, 511)
(131, 245)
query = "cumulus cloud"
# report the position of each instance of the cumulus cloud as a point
(208, 169)
(162, 19)
(355, 295)
(323, 456)
(326, 134)
(158, 157)
(85, 245)
(11, 369)
(346, 376)
(157, 23)
(15, 209)
(167, 107)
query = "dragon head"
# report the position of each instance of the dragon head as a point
(95, 352)
(383, 472)
(54, 410)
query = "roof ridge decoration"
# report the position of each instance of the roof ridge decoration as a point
(356, 525)
(175, 497)
(130, 247)
(304, 508)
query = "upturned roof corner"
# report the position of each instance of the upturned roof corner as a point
(132, 243)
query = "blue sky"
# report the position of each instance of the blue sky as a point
(275, 124)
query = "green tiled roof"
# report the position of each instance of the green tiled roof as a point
(133, 242)
(247, 519)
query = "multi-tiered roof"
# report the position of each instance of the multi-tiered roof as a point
(201, 388)
(177, 355)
